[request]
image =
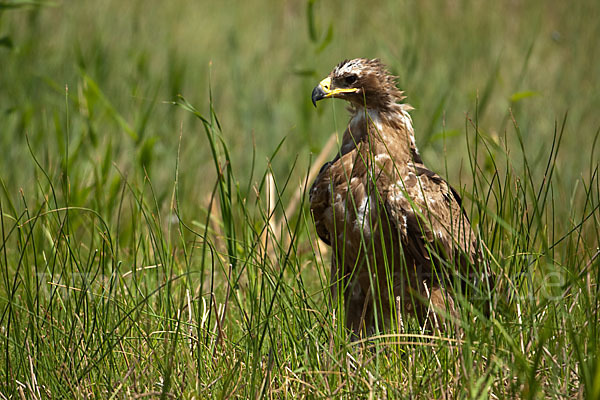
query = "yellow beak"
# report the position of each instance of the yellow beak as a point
(323, 91)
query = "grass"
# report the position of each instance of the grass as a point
(159, 245)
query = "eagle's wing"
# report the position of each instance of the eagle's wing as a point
(428, 213)
(320, 200)
(335, 193)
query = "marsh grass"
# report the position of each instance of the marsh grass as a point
(233, 304)
(148, 249)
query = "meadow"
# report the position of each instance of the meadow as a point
(155, 239)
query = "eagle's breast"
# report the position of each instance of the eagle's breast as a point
(347, 196)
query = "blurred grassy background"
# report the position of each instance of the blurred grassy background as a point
(120, 296)
(538, 59)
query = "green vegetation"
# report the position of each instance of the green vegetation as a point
(153, 244)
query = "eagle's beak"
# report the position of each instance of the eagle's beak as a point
(321, 91)
(324, 90)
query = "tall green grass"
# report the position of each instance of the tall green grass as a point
(158, 245)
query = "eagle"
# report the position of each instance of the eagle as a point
(400, 238)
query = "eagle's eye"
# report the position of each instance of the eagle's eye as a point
(350, 79)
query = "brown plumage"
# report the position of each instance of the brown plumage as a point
(397, 230)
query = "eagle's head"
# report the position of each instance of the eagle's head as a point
(362, 82)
